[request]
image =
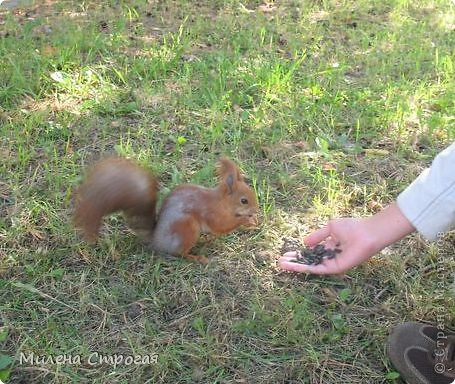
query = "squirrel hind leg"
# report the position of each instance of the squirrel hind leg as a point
(197, 259)
(188, 230)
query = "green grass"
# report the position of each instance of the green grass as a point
(331, 108)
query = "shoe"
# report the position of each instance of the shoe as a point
(422, 354)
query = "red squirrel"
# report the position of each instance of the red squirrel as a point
(118, 184)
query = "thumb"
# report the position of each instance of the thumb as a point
(317, 236)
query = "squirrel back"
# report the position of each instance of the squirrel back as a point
(189, 210)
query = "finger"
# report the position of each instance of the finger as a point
(331, 243)
(320, 269)
(290, 255)
(287, 265)
(317, 236)
(327, 267)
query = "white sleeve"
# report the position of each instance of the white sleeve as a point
(429, 202)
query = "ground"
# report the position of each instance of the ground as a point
(330, 107)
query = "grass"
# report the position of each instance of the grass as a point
(331, 108)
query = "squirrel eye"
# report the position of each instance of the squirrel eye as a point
(243, 200)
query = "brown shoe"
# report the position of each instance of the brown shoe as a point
(422, 354)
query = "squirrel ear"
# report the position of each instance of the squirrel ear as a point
(230, 183)
(229, 174)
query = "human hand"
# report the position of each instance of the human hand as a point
(352, 236)
(358, 239)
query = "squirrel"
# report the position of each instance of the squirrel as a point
(118, 184)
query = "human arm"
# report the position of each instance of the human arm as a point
(429, 202)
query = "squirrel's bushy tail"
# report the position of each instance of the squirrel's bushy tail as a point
(113, 185)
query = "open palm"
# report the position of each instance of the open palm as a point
(353, 236)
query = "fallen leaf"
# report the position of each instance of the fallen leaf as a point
(58, 77)
(267, 8)
(37, 235)
(49, 50)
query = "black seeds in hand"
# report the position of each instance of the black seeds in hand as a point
(319, 249)
(309, 256)
(316, 255)
(290, 245)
